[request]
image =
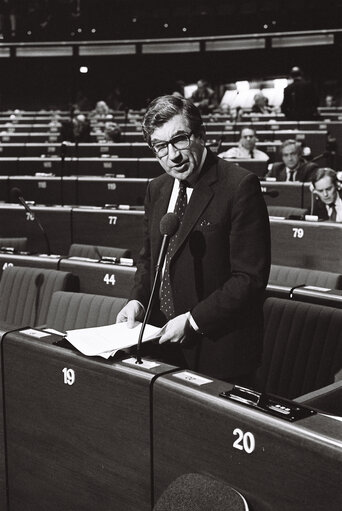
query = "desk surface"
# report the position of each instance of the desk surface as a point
(316, 245)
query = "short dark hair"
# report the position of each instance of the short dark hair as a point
(163, 108)
(324, 172)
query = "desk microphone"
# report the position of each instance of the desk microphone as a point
(168, 226)
(17, 195)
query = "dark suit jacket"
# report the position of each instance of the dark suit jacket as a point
(220, 266)
(319, 207)
(300, 101)
(304, 172)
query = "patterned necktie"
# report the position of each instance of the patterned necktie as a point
(166, 302)
(332, 216)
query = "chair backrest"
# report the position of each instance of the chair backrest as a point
(302, 347)
(197, 492)
(287, 211)
(292, 276)
(97, 251)
(68, 311)
(25, 293)
(19, 244)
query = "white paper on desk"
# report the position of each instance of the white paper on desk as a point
(106, 340)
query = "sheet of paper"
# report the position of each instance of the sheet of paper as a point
(107, 340)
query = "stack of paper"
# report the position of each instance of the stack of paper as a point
(105, 341)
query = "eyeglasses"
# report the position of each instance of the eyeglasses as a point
(179, 142)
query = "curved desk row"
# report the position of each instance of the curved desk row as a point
(82, 433)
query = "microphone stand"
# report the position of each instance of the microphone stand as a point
(149, 306)
(29, 210)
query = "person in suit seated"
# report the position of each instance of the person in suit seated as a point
(293, 167)
(328, 202)
(75, 129)
(204, 97)
(246, 148)
(261, 105)
(210, 299)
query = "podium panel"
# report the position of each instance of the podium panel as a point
(275, 464)
(78, 429)
(108, 227)
(315, 245)
(100, 278)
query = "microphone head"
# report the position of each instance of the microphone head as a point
(169, 224)
(15, 193)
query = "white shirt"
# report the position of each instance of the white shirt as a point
(338, 207)
(241, 152)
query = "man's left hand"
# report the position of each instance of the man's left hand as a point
(176, 329)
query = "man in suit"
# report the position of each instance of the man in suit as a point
(328, 202)
(293, 167)
(221, 252)
(300, 98)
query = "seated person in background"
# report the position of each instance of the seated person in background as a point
(76, 129)
(100, 111)
(293, 167)
(246, 148)
(112, 132)
(261, 104)
(328, 202)
(204, 97)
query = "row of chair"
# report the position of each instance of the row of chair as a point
(302, 341)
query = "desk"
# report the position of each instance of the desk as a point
(54, 164)
(307, 244)
(275, 464)
(99, 191)
(100, 278)
(48, 190)
(77, 429)
(56, 221)
(38, 261)
(108, 227)
(101, 166)
(289, 194)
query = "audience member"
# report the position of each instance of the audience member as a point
(293, 166)
(328, 202)
(204, 97)
(76, 129)
(300, 98)
(329, 101)
(246, 147)
(112, 131)
(261, 105)
(101, 111)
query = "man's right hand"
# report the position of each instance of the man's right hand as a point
(132, 313)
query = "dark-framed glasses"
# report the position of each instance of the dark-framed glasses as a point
(179, 142)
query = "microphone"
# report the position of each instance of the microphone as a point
(17, 195)
(168, 226)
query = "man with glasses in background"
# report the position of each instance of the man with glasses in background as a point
(216, 269)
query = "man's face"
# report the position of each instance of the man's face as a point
(326, 190)
(248, 139)
(179, 163)
(290, 156)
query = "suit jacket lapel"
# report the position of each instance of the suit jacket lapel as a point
(200, 198)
